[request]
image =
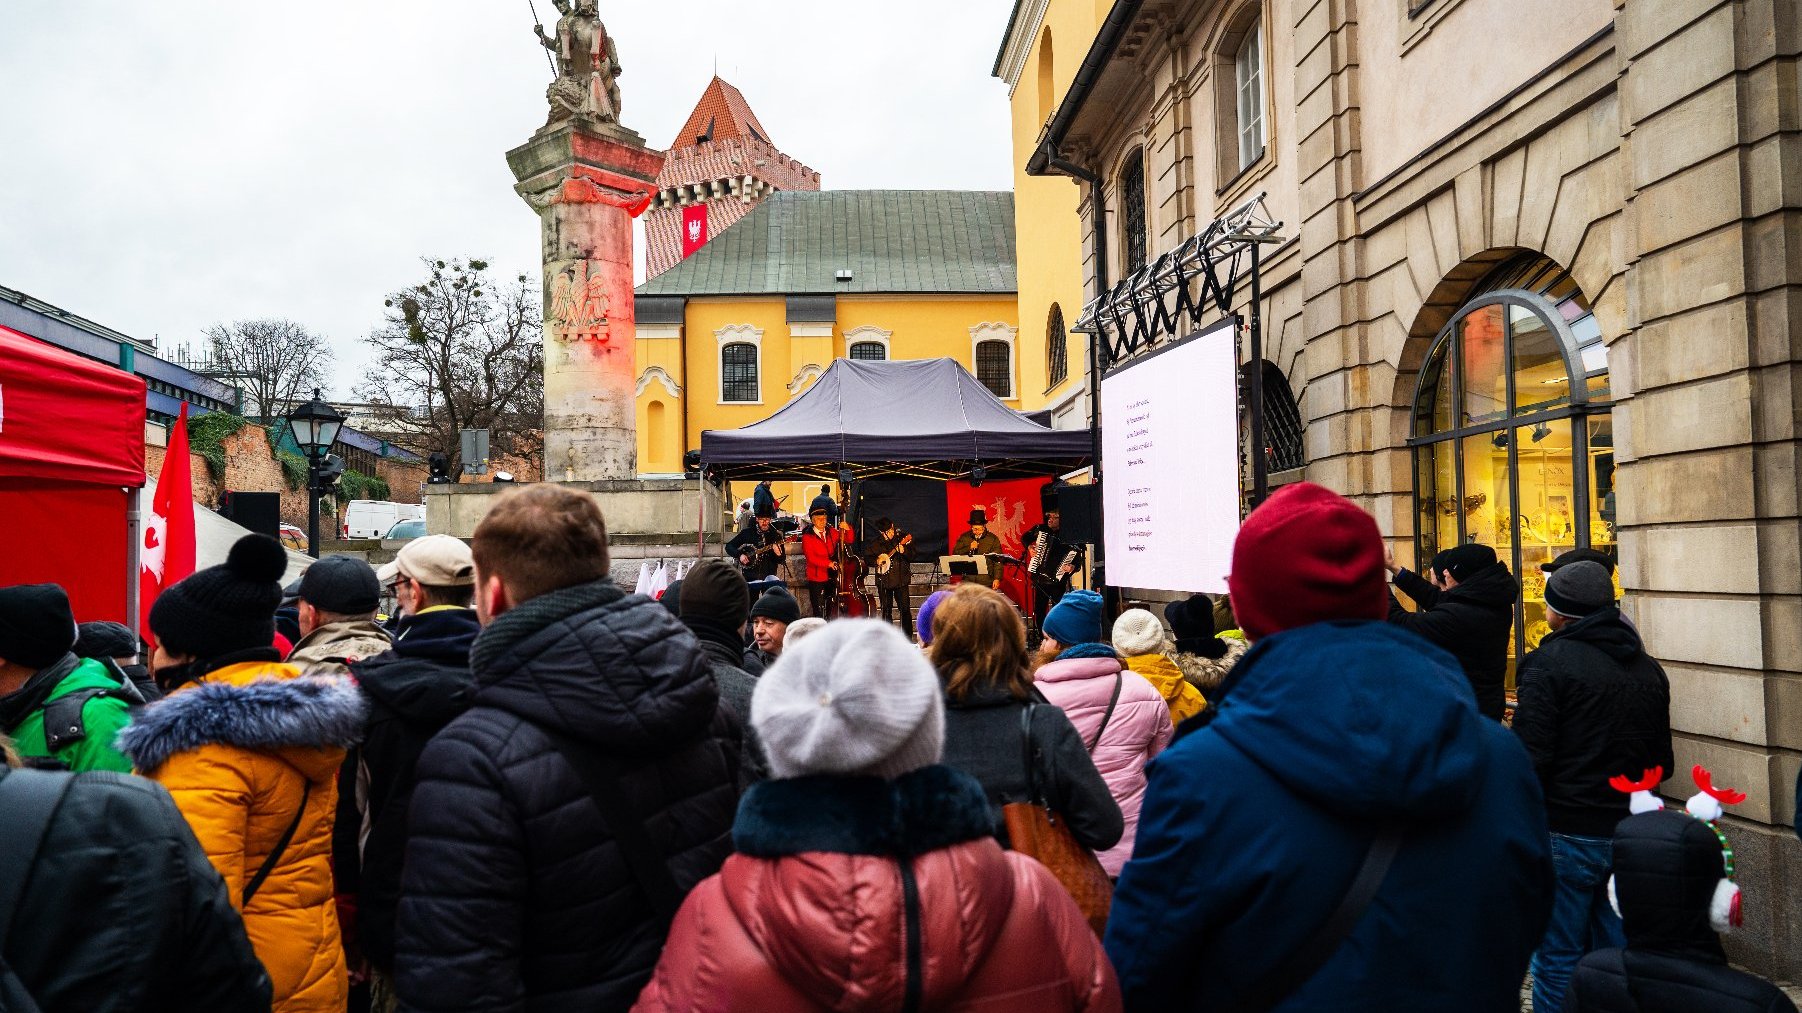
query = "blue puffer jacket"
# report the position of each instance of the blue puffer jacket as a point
(1255, 823)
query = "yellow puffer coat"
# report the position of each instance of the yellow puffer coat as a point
(1185, 700)
(239, 749)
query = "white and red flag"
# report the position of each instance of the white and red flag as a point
(168, 551)
(694, 229)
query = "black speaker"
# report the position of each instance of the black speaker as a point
(1079, 506)
(259, 511)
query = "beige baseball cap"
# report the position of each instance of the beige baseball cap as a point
(437, 561)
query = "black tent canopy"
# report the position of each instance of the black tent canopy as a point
(920, 418)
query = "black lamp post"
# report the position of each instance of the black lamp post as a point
(315, 426)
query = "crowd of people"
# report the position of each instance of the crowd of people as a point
(531, 790)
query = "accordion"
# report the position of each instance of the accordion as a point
(1044, 546)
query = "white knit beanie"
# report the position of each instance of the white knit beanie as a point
(852, 698)
(1138, 632)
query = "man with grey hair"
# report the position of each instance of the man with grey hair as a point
(1593, 705)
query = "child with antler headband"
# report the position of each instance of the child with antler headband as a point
(1674, 888)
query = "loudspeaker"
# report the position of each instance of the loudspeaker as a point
(261, 512)
(1079, 506)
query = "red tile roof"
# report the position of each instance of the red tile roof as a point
(722, 113)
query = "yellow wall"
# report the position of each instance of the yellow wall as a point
(1048, 228)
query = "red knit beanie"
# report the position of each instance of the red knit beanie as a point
(1307, 555)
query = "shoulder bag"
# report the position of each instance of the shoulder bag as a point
(1035, 829)
(275, 854)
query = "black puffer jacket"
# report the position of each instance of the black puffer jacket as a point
(121, 912)
(1666, 866)
(414, 690)
(515, 895)
(1592, 705)
(1473, 622)
(724, 658)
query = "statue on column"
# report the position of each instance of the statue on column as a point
(587, 85)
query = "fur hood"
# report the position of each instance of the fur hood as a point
(268, 714)
(1206, 674)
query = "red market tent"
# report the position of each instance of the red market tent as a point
(71, 464)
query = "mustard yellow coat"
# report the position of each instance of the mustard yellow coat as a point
(1185, 700)
(239, 749)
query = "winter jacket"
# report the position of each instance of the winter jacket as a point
(413, 690)
(821, 552)
(515, 895)
(1207, 674)
(968, 544)
(89, 706)
(983, 739)
(329, 646)
(1138, 730)
(900, 571)
(837, 877)
(1673, 961)
(1473, 621)
(121, 913)
(242, 749)
(1184, 700)
(1257, 818)
(1592, 705)
(724, 658)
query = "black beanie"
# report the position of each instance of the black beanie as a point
(777, 604)
(1579, 589)
(342, 584)
(1464, 560)
(37, 627)
(106, 640)
(1192, 626)
(672, 598)
(715, 590)
(226, 608)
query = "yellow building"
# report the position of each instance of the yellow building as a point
(732, 334)
(1044, 45)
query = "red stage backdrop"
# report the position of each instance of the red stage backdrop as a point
(1013, 507)
(694, 229)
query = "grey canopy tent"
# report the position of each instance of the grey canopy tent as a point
(919, 418)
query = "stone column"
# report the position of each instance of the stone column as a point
(587, 183)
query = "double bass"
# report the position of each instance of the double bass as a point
(853, 600)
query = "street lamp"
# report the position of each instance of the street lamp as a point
(315, 426)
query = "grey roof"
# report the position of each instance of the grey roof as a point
(796, 242)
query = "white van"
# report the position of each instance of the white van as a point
(371, 518)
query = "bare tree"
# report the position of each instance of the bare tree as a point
(463, 352)
(275, 362)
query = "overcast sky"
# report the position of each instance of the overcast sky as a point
(167, 165)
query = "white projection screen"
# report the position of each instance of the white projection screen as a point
(1170, 458)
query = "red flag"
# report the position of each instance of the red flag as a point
(168, 550)
(1012, 508)
(694, 229)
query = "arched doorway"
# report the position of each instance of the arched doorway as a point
(1511, 436)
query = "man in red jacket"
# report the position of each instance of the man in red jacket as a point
(820, 543)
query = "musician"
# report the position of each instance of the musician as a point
(820, 542)
(980, 541)
(1050, 562)
(890, 561)
(759, 549)
(763, 498)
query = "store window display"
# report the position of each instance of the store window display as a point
(1513, 445)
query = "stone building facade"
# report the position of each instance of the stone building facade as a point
(1540, 287)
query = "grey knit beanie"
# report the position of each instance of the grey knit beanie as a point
(1579, 589)
(852, 698)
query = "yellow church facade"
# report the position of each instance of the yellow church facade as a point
(729, 336)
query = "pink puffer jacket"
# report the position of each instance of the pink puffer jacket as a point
(1138, 730)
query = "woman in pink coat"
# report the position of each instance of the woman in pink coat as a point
(1117, 713)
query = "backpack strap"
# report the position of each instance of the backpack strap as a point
(600, 772)
(64, 724)
(1119, 679)
(275, 855)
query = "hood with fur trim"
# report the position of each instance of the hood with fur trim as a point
(261, 707)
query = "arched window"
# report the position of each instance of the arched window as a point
(1248, 79)
(738, 373)
(1283, 429)
(870, 351)
(1132, 211)
(1057, 347)
(1513, 446)
(1047, 87)
(995, 367)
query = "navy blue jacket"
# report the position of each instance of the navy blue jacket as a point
(1256, 821)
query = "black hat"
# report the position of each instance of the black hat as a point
(715, 591)
(818, 511)
(777, 604)
(1579, 589)
(342, 584)
(106, 640)
(671, 598)
(978, 517)
(1464, 560)
(226, 608)
(766, 510)
(1668, 866)
(1570, 556)
(1191, 618)
(37, 627)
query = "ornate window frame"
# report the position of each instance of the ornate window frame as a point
(1006, 334)
(660, 375)
(870, 333)
(738, 334)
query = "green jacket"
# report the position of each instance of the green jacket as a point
(101, 718)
